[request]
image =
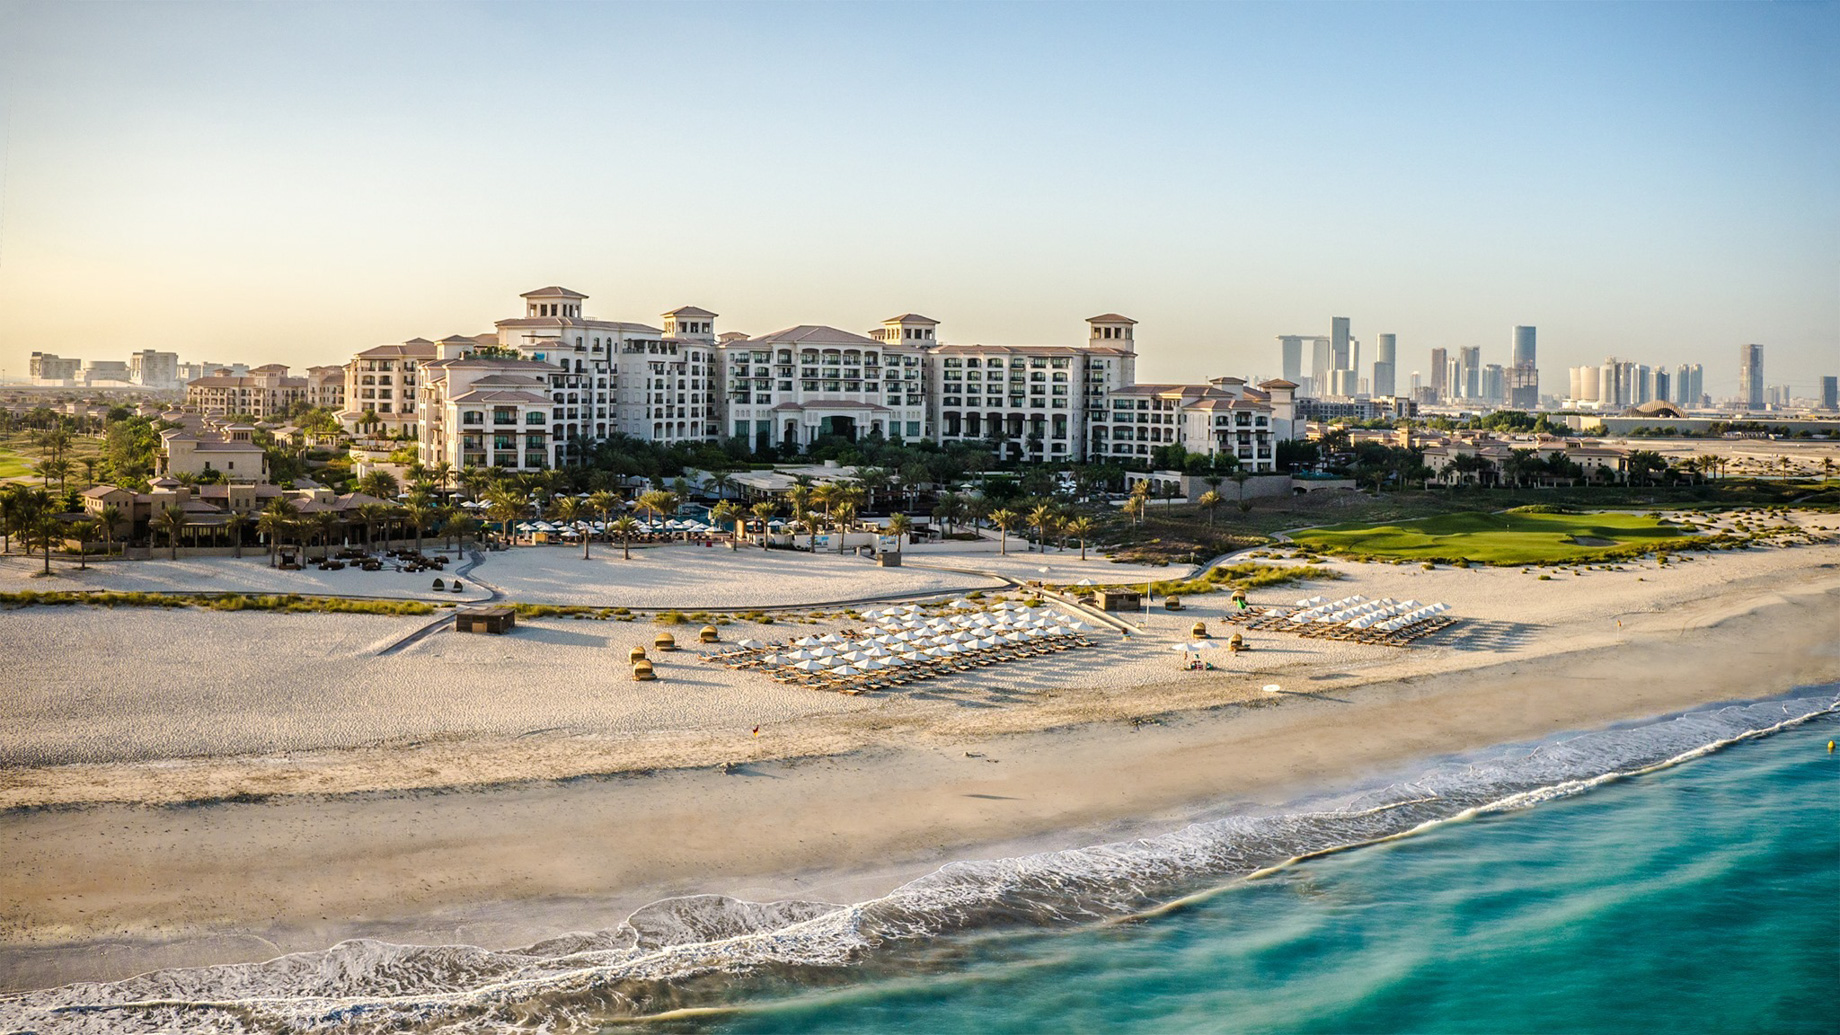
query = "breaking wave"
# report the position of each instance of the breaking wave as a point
(695, 951)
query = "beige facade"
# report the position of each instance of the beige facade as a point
(265, 393)
(792, 387)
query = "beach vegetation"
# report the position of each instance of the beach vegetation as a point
(290, 603)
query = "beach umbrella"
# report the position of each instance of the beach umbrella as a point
(824, 652)
(856, 655)
(830, 638)
(750, 644)
(871, 665)
(962, 602)
(1086, 582)
(845, 671)
(808, 665)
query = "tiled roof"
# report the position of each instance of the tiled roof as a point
(813, 334)
(552, 290)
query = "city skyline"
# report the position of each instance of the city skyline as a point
(273, 185)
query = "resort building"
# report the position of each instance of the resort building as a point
(380, 388)
(326, 388)
(684, 382)
(1034, 401)
(487, 411)
(789, 388)
(206, 447)
(1221, 418)
(265, 393)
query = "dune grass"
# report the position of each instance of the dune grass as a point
(1509, 537)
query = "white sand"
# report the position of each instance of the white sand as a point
(248, 574)
(98, 687)
(696, 578)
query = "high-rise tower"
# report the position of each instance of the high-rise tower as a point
(1386, 363)
(1750, 376)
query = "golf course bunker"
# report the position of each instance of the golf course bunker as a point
(1591, 540)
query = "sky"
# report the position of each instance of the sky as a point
(293, 182)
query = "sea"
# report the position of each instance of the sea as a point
(1680, 873)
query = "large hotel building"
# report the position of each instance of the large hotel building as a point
(545, 385)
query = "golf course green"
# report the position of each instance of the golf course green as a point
(1509, 537)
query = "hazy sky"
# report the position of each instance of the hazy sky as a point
(275, 182)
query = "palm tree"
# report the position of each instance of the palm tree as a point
(900, 526)
(1042, 517)
(46, 531)
(1239, 479)
(976, 509)
(170, 520)
(56, 467)
(727, 512)
(380, 484)
(1135, 507)
(1005, 519)
(845, 516)
(322, 524)
(603, 503)
(372, 515)
(420, 513)
(110, 517)
(826, 496)
(84, 530)
(1209, 502)
(948, 508)
(233, 526)
(657, 503)
(275, 521)
(763, 512)
(442, 474)
(721, 482)
(1080, 528)
(504, 506)
(570, 510)
(624, 527)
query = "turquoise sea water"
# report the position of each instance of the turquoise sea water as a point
(1676, 874)
(1702, 897)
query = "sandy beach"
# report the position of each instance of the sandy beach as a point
(494, 790)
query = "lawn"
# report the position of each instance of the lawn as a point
(12, 465)
(1502, 538)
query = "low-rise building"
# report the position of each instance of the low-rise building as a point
(208, 448)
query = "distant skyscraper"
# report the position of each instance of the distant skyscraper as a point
(1338, 343)
(1522, 350)
(1469, 367)
(1588, 382)
(1386, 362)
(1322, 361)
(1523, 371)
(1750, 376)
(1662, 387)
(1291, 345)
(1440, 377)
(1830, 393)
(1494, 383)
(1418, 382)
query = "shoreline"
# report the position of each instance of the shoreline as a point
(509, 864)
